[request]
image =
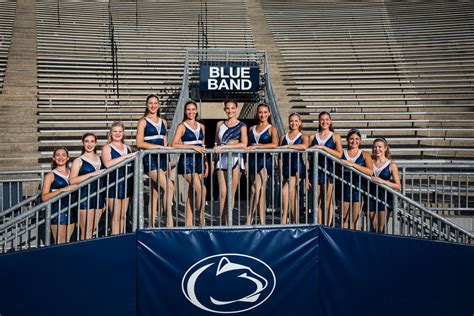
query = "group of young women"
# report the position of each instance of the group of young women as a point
(91, 201)
(230, 134)
(377, 165)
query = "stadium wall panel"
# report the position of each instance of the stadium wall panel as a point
(307, 270)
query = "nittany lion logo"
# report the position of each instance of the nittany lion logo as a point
(228, 283)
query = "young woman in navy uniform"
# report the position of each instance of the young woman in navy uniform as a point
(151, 134)
(190, 135)
(294, 168)
(231, 134)
(54, 183)
(84, 167)
(261, 136)
(385, 171)
(329, 141)
(119, 193)
(361, 161)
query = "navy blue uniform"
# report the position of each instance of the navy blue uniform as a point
(385, 174)
(295, 159)
(155, 134)
(322, 176)
(60, 181)
(191, 163)
(258, 161)
(124, 188)
(358, 159)
(225, 135)
(96, 201)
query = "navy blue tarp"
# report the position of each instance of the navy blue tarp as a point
(271, 271)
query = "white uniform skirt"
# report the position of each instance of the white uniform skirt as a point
(223, 163)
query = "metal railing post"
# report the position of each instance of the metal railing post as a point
(140, 200)
(395, 227)
(47, 230)
(137, 177)
(229, 187)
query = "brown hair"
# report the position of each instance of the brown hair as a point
(185, 117)
(54, 165)
(84, 137)
(268, 107)
(115, 124)
(231, 101)
(319, 118)
(353, 131)
(146, 104)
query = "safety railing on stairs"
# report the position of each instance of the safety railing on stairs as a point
(447, 189)
(67, 216)
(268, 187)
(401, 215)
(17, 186)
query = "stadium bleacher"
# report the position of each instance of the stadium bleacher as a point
(76, 91)
(7, 16)
(394, 69)
(401, 70)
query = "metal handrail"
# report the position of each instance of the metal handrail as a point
(329, 156)
(183, 97)
(409, 213)
(447, 187)
(398, 194)
(272, 100)
(58, 197)
(19, 205)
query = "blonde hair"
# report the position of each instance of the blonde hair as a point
(387, 152)
(300, 128)
(109, 134)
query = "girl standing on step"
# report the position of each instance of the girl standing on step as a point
(261, 136)
(91, 203)
(294, 169)
(114, 152)
(329, 141)
(349, 192)
(190, 135)
(56, 182)
(385, 171)
(151, 134)
(230, 134)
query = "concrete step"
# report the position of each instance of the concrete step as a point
(19, 163)
(15, 148)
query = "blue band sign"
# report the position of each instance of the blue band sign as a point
(229, 76)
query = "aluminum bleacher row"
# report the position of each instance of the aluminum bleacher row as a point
(7, 17)
(401, 70)
(75, 84)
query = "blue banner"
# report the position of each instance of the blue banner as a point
(229, 76)
(371, 274)
(95, 277)
(226, 271)
(254, 271)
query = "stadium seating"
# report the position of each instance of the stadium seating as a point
(76, 91)
(7, 16)
(399, 70)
